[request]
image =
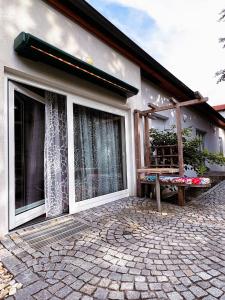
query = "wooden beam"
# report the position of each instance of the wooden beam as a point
(173, 106)
(153, 106)
(160, 108)
(147, 142)
(173, 101)
(192, 102)
(155, 116)
(158, 170)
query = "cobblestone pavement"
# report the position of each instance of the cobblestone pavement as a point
(129, 252)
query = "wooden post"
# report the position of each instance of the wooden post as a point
(181, 195)
(158, 196)
(146, 142)
(179, 141)
(181, 191)
(137, 139)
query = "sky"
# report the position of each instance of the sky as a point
(182, 35)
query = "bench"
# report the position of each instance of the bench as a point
(180, 182)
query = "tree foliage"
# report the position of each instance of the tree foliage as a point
(194, 157)
(221, 73)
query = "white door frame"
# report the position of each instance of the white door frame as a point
(19, 219)
(115, 108)
(85, 204)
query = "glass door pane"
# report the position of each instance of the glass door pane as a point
(29, 131)
(99, 152)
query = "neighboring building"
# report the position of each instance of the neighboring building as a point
(66, 116)
(220, 109)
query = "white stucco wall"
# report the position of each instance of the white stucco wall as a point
(190, 119)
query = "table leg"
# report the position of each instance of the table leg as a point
(158, 197)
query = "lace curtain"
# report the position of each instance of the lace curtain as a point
(98, 151)
(55, 155)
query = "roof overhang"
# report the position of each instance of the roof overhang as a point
(35, 49)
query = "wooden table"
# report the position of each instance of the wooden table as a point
(158, 172)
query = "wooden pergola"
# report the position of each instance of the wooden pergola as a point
(148, 168)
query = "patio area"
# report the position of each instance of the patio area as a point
(126, 250)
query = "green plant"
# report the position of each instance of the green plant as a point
(194, 158)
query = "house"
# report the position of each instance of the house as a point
(220, 109)
(69, 84)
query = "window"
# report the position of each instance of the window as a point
(220, 145)
(201, 136)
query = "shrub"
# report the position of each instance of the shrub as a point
(193, 155)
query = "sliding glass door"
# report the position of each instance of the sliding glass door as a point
(60, 142)
(26, 136)
(98, 153)
(99, 143)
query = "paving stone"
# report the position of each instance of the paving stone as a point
(87, 298)
(115, 276)
(23, 295)
(155, 286)
(74, 296)
(127, 286)
(88, 289)
(152, 295)
(101, 293)
(69, 279)
(198, 292)
(35, 287)
(127, 278)
(215, 292)
(134, 271)
(63, 292)
(185, 281)
(57, 286)
(204, 284)
(204, 275)
(217, 283)
(104, 282)
(116, 295)
(188, 295)
(77, 284)
(43, 295)
(27, 277)
(60, 275)
(174, 296)
(159, 294)
(52, 280)
(133, 295)
(161, 257)
(141, 286)
(167, 287)
(140, 278)
(114, 285)
(209, 297)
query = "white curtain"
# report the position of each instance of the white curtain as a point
(99, 148)
(56, 158)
